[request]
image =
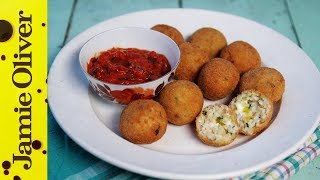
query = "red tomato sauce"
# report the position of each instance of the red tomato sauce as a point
(128, 66)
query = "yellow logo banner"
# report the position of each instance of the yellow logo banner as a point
(23, 92)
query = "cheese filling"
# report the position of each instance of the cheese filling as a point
(251, 109)
(216, 123)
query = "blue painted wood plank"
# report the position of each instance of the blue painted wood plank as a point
(299, 23)
(272, 13)
(87, 13)
(63, 151)
(59, 13)
(309, 172)
(306, 19)
(90, 12)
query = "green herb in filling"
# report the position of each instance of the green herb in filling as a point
(219, 121)
(228, 132)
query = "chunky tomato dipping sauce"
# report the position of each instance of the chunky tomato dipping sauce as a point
(128, 66)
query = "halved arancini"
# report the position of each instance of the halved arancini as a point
(253, 110)
(217, 125)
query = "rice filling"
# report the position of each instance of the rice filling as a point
(216, 123)
(251, 109)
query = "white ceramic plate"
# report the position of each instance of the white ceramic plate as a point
(93, 123)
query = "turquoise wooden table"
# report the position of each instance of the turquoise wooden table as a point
(298, 20)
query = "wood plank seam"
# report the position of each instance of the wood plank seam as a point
(69, 23)
(180, 2)
(293, 25)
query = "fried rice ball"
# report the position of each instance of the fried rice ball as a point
(210, 40)
(253, 110)
(242, 55)
(218, 78)
(217, 125)
(191, 60)
(268, 81)
(170, 31)
(143, 121)
(182, 101)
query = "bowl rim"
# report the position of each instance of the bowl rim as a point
(130, 85)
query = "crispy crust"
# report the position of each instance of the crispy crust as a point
(182, 101)
(191, 60)
(143, 121)
(210, 40)
(242, 55)
(268, 81)
(209, 142)
(262, 126)
(218, 78)
(170, 31)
